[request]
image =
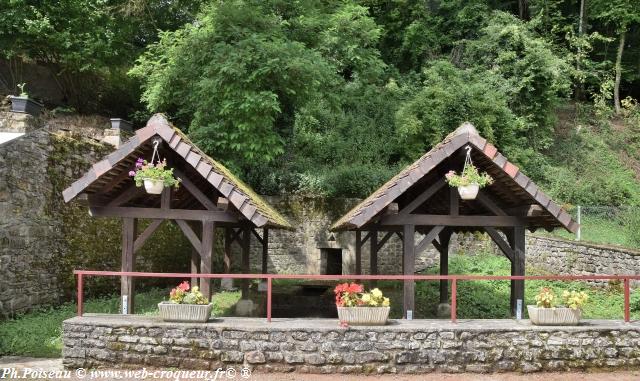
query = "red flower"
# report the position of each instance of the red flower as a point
(184, 286)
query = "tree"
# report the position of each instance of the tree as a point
(621, 15)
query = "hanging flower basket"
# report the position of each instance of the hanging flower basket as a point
(356, 307)
(470, 180)
(153, 186)
(545, 312)
(154, 175)
(186, 304)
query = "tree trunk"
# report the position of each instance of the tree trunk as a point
(616, 88)
(523, 9)
(579, 95)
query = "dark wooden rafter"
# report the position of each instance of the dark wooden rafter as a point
(444, 237)
(438, 219)
(500, 242)
(427, 239)
(195, 191)
(191, 235)
(422, 198)
(144, 236)
(155, 213)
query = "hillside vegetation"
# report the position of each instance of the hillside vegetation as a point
(332, 98)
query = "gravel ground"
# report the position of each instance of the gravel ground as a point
(21, 365)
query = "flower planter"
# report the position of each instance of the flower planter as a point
(469, 192)
(363, 315)
(554, 316)
(26, 106)
(196, 313)
(153, 186)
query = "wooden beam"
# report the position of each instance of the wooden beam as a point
(518, 244)
(191, 235)
(358, 252)
(125, 196)
(525, 210)
(246, 268)
(437, 219)
(234, 235)
(502, 244)
(454, 201)
(424, 196)
(142, 238)
(195, 191)
(445, 239)
(408, 268)
(227, 283)
(206, 256)
(428, 238)
(384, 240)
(195, 266)
(265, 250)
(168, 214)
(129, 227)
(255, 234)
(165, 198)
(486, 200)
(373, 255)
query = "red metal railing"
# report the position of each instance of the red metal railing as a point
(626, 279)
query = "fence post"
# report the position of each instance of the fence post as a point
(579, 220)
(269, 299)
(80, 292)
(454, 296)
(627, 314)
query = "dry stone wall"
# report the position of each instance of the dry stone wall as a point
(321, 346)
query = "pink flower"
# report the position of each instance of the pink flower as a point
(132, 173)
(184, 286)
(450, 174)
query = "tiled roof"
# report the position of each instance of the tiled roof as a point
(466, 134)
(250, 204)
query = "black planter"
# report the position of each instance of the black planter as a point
(121, 124)
(26, 106)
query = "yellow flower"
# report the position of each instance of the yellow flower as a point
(366, 298)
(385, 302)
(376, 293)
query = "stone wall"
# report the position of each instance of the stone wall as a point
(42, 239)
(321, 346)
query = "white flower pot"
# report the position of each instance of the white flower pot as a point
(363, 315)
(468, 192)
(554, 316)
(197, 313)
(153, 186)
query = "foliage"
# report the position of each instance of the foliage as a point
(150, 171)
(469, 175)
(546, 298)
(185, 294)
(574, 299)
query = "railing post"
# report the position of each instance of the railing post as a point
(80, 294)
(454, 296)
(627, 314)
(269, 299)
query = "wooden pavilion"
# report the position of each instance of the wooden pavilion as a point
(209, 197)
(418, 199)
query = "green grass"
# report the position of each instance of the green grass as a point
(39, 333)
(599, 230)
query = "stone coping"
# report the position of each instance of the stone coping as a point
(294, 324)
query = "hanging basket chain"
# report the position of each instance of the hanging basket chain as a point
(155, 151)
(467, 160)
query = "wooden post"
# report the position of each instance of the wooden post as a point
(373, 258)
(227, 283)
(445, 238)
(246, 269)
(518, 267)
(129, 229)
(195, 266)
(409, 267)
(358, 252)
(265, 250)
(206, 256)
